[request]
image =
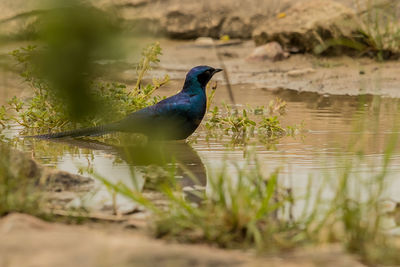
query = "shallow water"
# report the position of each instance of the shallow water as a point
(330, 128)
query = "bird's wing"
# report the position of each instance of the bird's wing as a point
(170, 109)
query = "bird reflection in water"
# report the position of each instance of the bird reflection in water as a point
(165, 155)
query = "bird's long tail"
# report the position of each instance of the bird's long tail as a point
(92, 131)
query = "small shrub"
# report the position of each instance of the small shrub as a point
(243, 126)
(45, 111)
(378, 33)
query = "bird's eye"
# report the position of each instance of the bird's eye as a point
(204, 77)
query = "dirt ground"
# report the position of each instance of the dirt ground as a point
(302, 72)
(324, 75)
(29, 242)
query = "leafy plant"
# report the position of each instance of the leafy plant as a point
(378, 33)
(45, 111)
(243, 125)
(380, 28)
(150, 56)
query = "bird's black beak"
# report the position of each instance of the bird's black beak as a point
(217, 70)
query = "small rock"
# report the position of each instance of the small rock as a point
(204, 41)
(60, 181)
(207, 42)
(229, 54)
(270, 51)
(300, 72)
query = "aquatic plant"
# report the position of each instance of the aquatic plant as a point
(249, 125)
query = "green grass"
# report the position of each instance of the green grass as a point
(378, 33)
(232, 214)
(380, 28)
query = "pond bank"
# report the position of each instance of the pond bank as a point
(323, 75)
(301, 72)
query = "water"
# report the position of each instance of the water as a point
(330, 128)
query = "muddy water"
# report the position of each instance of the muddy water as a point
(338, 128)
(331, 127)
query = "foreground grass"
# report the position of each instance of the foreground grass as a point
(253, 211)
(231, 214)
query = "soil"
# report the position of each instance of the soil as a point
(302, 72)
(28, 241)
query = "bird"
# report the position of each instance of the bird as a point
(173, 118)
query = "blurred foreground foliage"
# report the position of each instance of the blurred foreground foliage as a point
(74, 35)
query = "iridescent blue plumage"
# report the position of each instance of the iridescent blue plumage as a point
(173, 118)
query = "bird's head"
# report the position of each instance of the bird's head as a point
(199, 75)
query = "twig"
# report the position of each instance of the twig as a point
(225, 73)
(92, 216)
(221, 62)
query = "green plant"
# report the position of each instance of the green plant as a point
(46, 111)
(231, 214)
(150, 56)
(243, 125)
(243, 213)
(380, 28)
(378, 33)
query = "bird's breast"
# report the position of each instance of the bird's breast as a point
(198, 109)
